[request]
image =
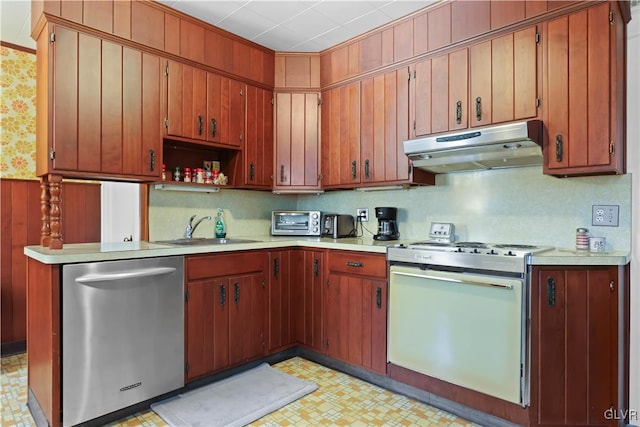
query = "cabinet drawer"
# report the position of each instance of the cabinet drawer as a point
(359, 263)
(221, 264)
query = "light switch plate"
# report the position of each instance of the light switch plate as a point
(605, 215)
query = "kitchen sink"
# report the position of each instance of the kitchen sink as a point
(203, 241)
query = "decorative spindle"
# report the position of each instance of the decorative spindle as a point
(55, 212)
(45, 231)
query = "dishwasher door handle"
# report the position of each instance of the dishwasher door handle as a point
(123, 275)
(450, 279)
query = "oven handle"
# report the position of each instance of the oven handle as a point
(449, 279)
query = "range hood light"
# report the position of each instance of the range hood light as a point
(383, 188)
(190, 188)
(294, 192)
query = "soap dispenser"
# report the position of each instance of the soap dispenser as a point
(221, 231)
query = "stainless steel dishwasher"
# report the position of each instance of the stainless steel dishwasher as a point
(122, 334)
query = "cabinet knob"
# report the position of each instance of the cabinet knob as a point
(366, 168)
(353, 169)
(379, 297)
(152, 160)
(459, 112)
(214, 127)
(478, 108)
(223, 295)
(282, 178)
(252, 171)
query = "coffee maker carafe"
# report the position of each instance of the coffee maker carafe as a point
(387, 225)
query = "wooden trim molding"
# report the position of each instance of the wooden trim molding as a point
(17, 47)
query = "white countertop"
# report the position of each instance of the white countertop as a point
(90, 252)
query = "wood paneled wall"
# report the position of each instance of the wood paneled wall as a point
(20, 227)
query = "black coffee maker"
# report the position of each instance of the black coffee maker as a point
(387, 225)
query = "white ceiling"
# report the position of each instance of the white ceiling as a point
(281, 25)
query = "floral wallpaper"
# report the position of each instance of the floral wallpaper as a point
(17, 114)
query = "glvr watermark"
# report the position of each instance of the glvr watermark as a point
(622, 414)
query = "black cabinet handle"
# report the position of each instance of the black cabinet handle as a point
(152, 160)
(316, 267)
(459, 112)
(281, 173)
(559, 152)
(236, 292)
(379, 297)
(276, 267)
(478, 108)
(223, 295)
(355, 264)
(551, 291)
(200, 124)
(252, 171)
(214, 127)
(353, 169)
(366, 168)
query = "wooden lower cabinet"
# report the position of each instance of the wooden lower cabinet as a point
(355, 309)
(281, 302)
(226, 314)
(575, 373)
(307, 297)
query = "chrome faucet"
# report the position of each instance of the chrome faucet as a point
(188, 233)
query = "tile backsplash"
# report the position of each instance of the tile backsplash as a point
(508, 205)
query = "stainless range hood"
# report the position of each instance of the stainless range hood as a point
(503, 146)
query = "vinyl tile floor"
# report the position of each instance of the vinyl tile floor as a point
(341, 400)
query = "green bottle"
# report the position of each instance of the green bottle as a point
(220, 227)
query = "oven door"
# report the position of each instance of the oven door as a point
(466, 329)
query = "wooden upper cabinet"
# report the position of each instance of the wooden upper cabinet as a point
(258, 148)
(147, 25)
(469, 19)
(585, 92)
(383, 127)
(301, 71)
(503, 79)
(439, 27)
(341, 136)
(440, 93)
(104, 124)
(191, 41)
(297, 145)
(225, 107)
(186, 101)
(98, 15)
(507, 12)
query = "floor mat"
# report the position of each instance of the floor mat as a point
(234, 401)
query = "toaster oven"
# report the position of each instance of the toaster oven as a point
(296, 223)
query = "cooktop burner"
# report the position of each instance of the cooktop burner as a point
(477, 255)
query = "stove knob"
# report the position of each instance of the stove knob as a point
(510, 254)
(460, 250)
(476, 251)
(492, 252)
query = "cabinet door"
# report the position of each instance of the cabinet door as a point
(503, 79)
(584, 108)
(384, 125)
(199, 328)
(574, 345)
(356, 321)
(307, 298)
(106, 123)
(194, 102)
(448, 92)
(247, 316)
(258, 151)
(297, 146)
(341, 143)
(281, 302)
(186, 101)
(141, 117)
(207, 327)
(225, 110)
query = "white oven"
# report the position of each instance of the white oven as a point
(466, 329)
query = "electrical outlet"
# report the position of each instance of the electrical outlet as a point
(363, 214)
(605, 215)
